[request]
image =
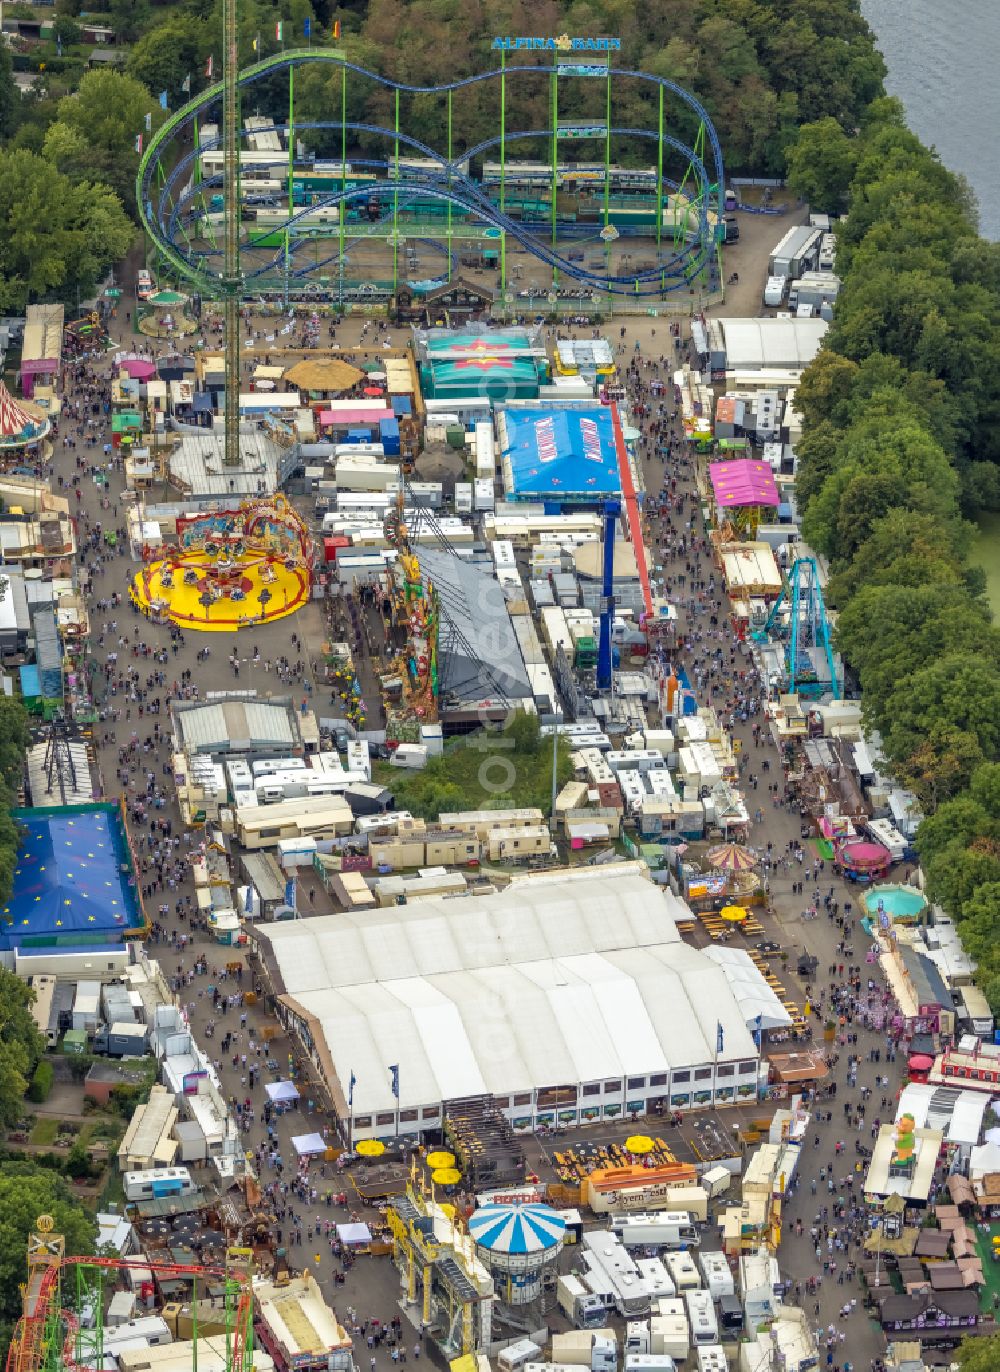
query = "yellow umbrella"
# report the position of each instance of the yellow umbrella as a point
(735, 914)
(639, 1144)
(370, 1148)
(440, 1159)
(446, 1176)
(448, 1209)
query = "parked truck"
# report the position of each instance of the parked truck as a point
(796, 253)
(596, 1349)
(578, 1304)
(664, 1229)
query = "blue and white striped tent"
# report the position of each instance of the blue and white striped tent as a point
(517, 1228)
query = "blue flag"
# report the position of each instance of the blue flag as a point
(307, 25)
(394, 1078)
(163, 100)
(350, 1090)
(718, 1037)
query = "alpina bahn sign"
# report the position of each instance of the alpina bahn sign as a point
(561, 44)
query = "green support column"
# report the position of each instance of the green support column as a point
(607, 147)
(503, 260)
(659, 175)
(291, 169)
(449, 186)
(342, 216)
(555, 159)
(503, 130)
(395, 205)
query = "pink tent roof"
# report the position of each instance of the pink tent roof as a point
(360, 415)
(16, 424)
(139, 368)
(743, 481)
(863, 854)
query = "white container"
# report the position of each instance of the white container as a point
(515, 1355)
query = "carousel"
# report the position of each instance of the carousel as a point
(231, 569)
(166, 317)
(23, 430)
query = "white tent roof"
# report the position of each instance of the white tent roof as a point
(753, 995)
(549, 982)
(768, 343)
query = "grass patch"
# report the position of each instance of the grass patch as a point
(488, 770)
(44, 1132)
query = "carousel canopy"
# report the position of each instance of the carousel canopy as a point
(17, 424)
(517, 1228)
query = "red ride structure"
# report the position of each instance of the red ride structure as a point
(51, 1336)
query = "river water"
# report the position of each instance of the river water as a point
(942, 57)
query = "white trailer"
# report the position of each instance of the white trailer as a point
(664, 1229)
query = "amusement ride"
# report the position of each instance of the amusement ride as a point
(231, 569)
(296, 220)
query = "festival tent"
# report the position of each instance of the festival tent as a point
(281, 1091)
(308, 1144)
(19, 427)
(354, 1235)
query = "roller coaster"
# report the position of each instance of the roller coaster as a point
(412, 193)
(61, 1328)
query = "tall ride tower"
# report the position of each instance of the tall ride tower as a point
(232, 284)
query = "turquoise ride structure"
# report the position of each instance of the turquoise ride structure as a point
(296, 240)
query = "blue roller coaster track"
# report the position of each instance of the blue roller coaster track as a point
(169, 196)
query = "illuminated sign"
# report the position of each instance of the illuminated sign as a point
(580, 69)
(561, 44)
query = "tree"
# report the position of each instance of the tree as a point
(128, 18)
(980, 924)
(54, 236)
(95, 131)
(9, 94)
(961, 690)
(954, 876)
(979, 1355)
(21, 1045)
(168, 53)
(941, 766)
(27, 1191)
(889, 632)
(821, 165)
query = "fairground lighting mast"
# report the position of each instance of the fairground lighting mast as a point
(232, 283)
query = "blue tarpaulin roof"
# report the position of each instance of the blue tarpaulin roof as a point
(69, 879)
(560, 454)
(30, 684)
